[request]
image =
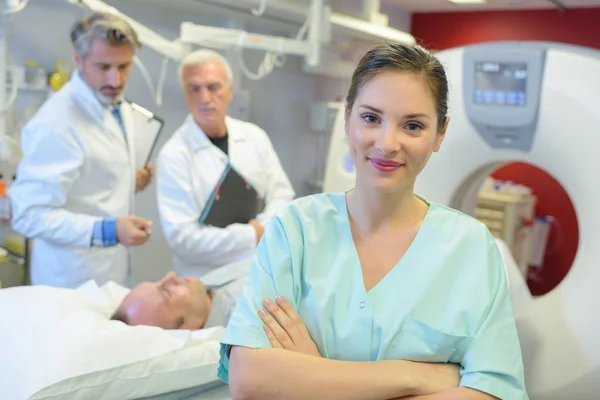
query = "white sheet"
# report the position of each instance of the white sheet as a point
(52, 337)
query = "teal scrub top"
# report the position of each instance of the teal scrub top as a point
(446, 300)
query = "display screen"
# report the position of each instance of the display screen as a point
(500, 83)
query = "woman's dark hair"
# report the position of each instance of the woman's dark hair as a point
(401, 57)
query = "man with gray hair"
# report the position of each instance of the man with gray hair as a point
(77, 180)
(219, 179)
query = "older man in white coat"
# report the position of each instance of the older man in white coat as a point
(219, 179)
(76, 181)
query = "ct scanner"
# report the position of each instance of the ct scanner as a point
(545, 112)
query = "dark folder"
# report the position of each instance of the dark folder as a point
(232, 201)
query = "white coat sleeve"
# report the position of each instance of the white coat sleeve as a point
(279, 189)
(51, 163)
(180, 214)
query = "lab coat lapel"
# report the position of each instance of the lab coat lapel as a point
(198, 142)
(113, 128)
(237, 150)
(85, 98)
(129, 133)
(195, 136)
(236, 140)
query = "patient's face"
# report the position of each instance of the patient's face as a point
(171, 303)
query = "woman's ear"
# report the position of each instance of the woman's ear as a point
(441, 135)
(346, 112)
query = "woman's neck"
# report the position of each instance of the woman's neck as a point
(372, 210)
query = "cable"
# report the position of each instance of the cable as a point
(158, 91)
(261, 8)
(161, 81)
(271, 59)
(146, 75)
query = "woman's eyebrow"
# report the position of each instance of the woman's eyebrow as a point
(418, 115)
(407, 116)
(377, 110)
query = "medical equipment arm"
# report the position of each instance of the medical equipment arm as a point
(283, 374)
(50, 165)
(279, 189)
(180, 213)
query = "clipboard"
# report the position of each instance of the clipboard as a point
(146, 128)
(233, 200)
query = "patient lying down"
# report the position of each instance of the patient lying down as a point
(173, 303)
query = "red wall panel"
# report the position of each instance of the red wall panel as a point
(445, 30)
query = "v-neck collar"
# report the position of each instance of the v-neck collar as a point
(343, 209)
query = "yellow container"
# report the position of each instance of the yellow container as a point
(16, 245)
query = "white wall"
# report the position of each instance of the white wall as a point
(398, 18)
(279, 103)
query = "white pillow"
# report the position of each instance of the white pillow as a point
(57, 343)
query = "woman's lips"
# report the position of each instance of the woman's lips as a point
(385, 165)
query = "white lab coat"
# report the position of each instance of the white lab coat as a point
(76, 169)
(188, 169)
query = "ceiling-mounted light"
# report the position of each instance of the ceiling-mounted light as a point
(467, 1)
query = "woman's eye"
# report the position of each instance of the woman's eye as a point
(370, 118)
(414, 127)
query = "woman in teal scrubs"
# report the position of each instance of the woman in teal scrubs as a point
(394, 296)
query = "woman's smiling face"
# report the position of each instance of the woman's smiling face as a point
(392, 130)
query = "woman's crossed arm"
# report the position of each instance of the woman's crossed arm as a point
(294, 369)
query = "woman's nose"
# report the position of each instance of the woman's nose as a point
(388, 141)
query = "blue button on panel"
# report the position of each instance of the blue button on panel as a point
(478, 96)
(500, 97)
(511, 98)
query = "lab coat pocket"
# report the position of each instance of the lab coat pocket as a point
(420, 342)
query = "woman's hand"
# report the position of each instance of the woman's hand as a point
(285, 329)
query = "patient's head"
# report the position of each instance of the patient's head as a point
(171, 303)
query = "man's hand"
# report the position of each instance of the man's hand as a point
(259, 229)
(143, 177)
(285, 329)
(133, 230)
